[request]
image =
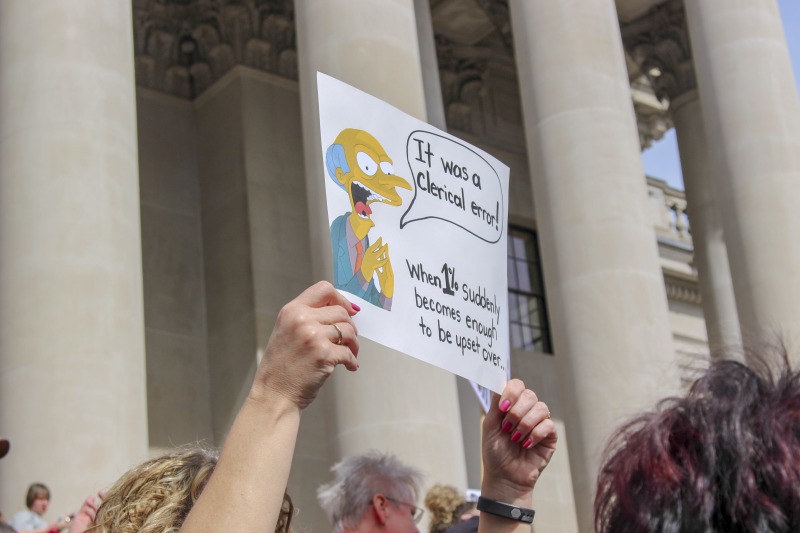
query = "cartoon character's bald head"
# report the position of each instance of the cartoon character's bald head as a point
(357, 162)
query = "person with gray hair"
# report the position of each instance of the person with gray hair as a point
(377, 493)
(372, 480)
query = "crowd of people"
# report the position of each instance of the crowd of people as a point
(724, 457)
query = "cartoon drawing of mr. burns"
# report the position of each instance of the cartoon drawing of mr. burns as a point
(358, 164)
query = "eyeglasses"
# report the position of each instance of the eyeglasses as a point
(416, 512)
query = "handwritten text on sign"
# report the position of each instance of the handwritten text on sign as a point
(451, 190)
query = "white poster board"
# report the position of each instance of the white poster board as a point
(418, 224)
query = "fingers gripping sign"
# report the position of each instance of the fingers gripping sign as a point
(313, 334)
(519, 437)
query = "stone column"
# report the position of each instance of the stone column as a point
(72, 368)
(430, 65)
(659, 42)
(393, 403)
(752, 118)
(605, 289)
(710, 251)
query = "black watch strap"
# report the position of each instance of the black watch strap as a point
(488, 505)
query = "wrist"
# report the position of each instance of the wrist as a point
(264, 393)
(507, 492)
(269, 403)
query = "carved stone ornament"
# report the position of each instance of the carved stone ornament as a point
(465, 54)
(659, 43)
(183, 46)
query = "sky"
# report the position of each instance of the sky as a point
(661, 159)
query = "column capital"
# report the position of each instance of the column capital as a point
(658, 43)
(182, 48)
(477, 70)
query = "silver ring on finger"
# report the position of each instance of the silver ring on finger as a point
(339, 332)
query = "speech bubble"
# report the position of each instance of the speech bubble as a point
(455, 184)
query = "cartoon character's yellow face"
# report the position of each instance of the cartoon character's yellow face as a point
(370, 176)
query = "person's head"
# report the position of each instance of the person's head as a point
(374, 487)
(157, 495)
(443, 502)
(726, 457)
(37, 499)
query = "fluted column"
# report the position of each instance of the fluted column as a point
(72, 368)
(710, 251)
(392, 403)
(604, 285)
(752, 118)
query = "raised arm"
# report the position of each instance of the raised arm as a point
(246, 490)
(518, 441)
(84, 519)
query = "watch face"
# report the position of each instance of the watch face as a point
(516, 513)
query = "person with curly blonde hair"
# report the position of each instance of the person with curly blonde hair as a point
(443, 501)
(157, 495)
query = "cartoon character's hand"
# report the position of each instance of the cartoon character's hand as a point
(374, 257)
(386, 275)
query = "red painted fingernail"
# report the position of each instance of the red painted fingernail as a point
(516, 437)
(507, 427)
(505, 405)
(355, 307)
(527, 444)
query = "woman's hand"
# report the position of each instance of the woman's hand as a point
(305, 345)
(518, 441)
(84, 518)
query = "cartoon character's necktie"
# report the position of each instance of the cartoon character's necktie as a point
(359, 256)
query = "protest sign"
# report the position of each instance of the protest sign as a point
(418, 232)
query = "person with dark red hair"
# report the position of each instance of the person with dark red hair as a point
(723, 458)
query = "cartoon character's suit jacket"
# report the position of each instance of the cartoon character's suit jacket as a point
(343, 242)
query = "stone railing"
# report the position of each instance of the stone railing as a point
(671, 225)
(668, 209)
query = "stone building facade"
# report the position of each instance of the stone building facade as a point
(159, 165)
